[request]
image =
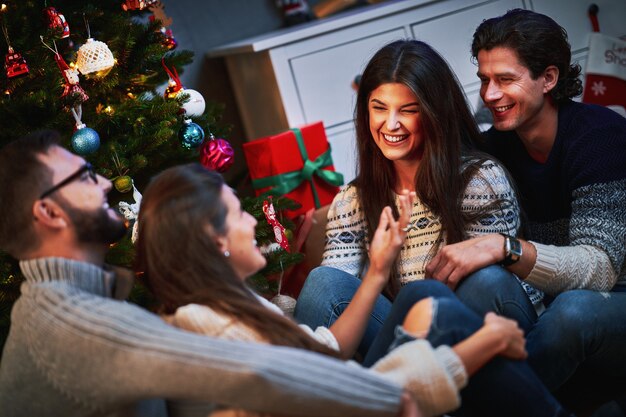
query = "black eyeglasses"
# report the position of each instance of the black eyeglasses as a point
(88, 168)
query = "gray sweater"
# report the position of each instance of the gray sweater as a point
(73, 350)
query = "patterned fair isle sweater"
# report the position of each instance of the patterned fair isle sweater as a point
(575, 202)
(346, 231)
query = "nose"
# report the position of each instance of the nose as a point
(392, 121)
(105, 183)
(491, 92)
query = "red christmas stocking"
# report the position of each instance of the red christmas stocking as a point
(605, 79)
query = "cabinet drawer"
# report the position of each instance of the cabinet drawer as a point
(323, 78)
(343, 150)
(451, 35)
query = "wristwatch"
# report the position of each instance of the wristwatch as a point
(512, 250)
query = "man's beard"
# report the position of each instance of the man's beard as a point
(95, 226)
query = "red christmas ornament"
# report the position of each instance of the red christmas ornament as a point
(168, 39)
(279, 229)
(73, 93)
(137, 4)
(217, 154)
(56, 21)
(15, 64)
(168, 36)
(174, 85)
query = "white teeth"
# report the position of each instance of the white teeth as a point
(254, 242)
(394, 139)
(105, 206)
(503, 108)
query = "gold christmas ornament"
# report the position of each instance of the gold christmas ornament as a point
(94, 58)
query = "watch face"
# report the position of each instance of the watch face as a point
(512, 250)
(516, 247)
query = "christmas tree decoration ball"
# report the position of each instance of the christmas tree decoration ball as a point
(217, 155)
(195, 105)
(85, 141)
(286, 303)
(191, 135)
(123, 183)
(94, 59)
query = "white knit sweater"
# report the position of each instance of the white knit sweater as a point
(434, 376)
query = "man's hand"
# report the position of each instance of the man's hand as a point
(454, 262)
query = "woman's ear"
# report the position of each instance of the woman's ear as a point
(551, 77)
(48, 213)
(220, 240)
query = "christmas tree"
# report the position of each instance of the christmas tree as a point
(91, 70)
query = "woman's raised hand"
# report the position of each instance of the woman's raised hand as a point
(390, 235)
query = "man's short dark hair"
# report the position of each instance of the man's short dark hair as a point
(538, 41)
(23, 176)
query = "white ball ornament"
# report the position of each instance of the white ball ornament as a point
(286, 303)
(195, 105)
(94, 58)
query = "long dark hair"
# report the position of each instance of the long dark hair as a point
(448, 129)
(181, 213)
(538, 41)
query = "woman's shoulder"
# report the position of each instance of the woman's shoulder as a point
(485, 166)
(347, 192)
(192, 312)
(346, 202)
(487, 172)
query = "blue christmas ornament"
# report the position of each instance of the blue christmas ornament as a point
(85, 141)
(191, 135)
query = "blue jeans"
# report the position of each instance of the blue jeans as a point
(328, 291)
(495, 289)
(503, 387)
(326, 294)
(581, 335)
(584, 331)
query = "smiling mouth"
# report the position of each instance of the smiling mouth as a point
(395, 138)
(502, 109)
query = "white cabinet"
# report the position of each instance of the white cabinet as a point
(303, 74)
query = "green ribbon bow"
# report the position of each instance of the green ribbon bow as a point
(284, 183)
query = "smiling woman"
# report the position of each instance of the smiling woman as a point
(414, 131)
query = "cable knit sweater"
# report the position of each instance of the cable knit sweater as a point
(346, 231)
(575, 201)
(434, 376)
(74, 351)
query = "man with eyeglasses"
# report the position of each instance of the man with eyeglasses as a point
(76, 349)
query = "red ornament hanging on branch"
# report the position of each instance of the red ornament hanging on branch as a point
(195, 105)
(137, 4)
(279, 229)
(217, 154)
(158, 10)
(56, 20)
(73, 94)
(14, 63)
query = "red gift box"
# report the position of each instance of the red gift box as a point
(296, 164)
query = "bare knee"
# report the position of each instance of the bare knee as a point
(417, 321)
